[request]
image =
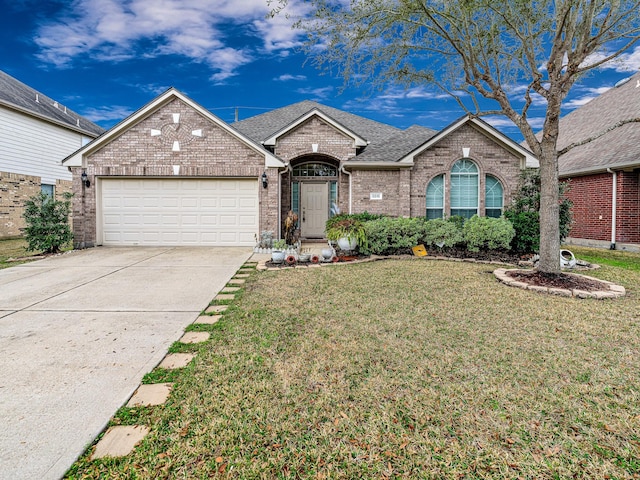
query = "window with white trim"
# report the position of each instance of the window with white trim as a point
(493, 197)
(464, 188)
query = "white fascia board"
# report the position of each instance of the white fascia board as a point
(530, 160)
(76, 159)
(358, 141)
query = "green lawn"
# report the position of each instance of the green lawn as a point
(400, 369)
(13, 249)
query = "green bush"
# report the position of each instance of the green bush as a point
(485, 233)
(47, 223)
(388, 235)
(442, 233)
(527, 228)
(524, 212)
(362, 217)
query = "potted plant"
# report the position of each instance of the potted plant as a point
(278, 251)
(349, 232)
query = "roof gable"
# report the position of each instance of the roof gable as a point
(20, 97)
(484, 128)
(76, 159)
(357, 139)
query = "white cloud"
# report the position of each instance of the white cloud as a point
(287, 77)
(590, 94)
(316, 93)
(117, 30)
(114, 112)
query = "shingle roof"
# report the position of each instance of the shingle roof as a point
(263, 126)
(395, 147)
(18, 96)
(612, 142)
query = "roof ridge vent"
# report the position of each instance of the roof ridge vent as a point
(619, 83)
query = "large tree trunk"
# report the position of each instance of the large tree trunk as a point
(549, 210)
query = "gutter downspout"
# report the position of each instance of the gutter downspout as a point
(614, 207)
(342, 169)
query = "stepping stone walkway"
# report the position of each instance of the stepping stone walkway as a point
(224, 296)
(151, 394)
(242, 275)
(119, 441)
(176, 360)
(237, 281)
(230, 289)
(194, 337)
(208, 319)
(216, 308)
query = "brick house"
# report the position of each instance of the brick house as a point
(36, 132)
(603, 168)
(175, 174)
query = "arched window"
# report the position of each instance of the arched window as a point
(464, 188)
(435, 198)
(493, 197)
(315, 169)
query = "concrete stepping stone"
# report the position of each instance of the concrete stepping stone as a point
(119, 441)
(194, 337)
(150, 395)
(225, 296)
(237, 281)
(176, 360)
(208, 319)
(216, 308)
(242, 275)
(230, 289)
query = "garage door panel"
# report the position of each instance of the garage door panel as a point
(179, 211)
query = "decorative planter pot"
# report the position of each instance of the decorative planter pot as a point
(327, 253)
(277, 256)
(347, 243)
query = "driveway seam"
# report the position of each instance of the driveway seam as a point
(87, 283)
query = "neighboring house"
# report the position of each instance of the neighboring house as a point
(36, 133)
(175, 174)
(603, 168)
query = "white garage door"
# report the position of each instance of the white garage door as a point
(220, 212)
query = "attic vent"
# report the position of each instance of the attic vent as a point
(37, 98)
(622, 82)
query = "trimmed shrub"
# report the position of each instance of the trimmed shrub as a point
(485, 233)
(362, 217)
(388, 235)
(527, 228)
(47, 223)
(442, 233)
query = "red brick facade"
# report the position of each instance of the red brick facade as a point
(592, 207)
(146, 147)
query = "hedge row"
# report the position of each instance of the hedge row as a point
(386, 236)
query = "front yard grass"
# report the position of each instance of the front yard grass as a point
(401, 369)
(13, 249)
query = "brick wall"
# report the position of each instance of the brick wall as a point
(136, 152)
(591, 197)
(15, 189)
(330, 141)
(489, 157)
(366, 182)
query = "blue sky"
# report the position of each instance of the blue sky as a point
(107, 58)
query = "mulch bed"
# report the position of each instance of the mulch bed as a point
(565, 281)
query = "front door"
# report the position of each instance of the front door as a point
(314, 209)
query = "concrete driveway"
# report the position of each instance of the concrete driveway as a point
(77, 334)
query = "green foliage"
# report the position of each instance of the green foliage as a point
(457, 220)
(523, 212)
(362, 217)
(443, 233)
(47, 223)
(486, 233)
(527, 229)
(279, 244)
(388, 235)
(346, 226)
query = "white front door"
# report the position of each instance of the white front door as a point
(314, 209)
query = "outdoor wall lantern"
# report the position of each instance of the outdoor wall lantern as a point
(265, 180)
(85, 180)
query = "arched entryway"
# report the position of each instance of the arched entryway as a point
(313, 187)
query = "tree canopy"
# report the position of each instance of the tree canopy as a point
(512, 52)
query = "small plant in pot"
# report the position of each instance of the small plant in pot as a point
(278, 251)
(349, 232)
